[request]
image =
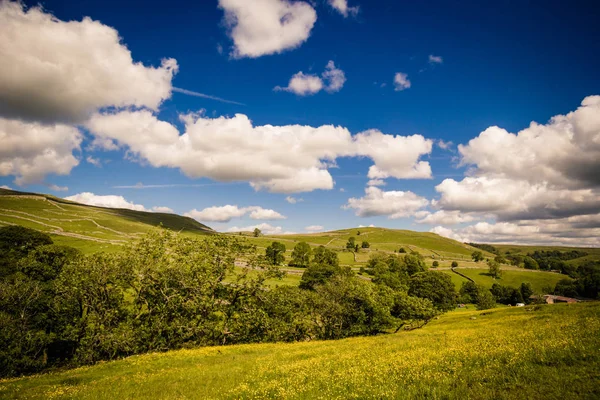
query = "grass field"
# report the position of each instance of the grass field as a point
(593, 252)
(514, 278)
(87, 228)
(543, 352)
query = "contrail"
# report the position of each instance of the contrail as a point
(205, 96)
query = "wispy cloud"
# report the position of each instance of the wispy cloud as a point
(140, 185)
(205, 96)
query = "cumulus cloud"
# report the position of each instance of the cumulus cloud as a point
(6, 187)
(541, 185)
(341, 6)
(302, 84)
(265, 228)
(443, 217)
(401, 81)
(332, 80)
(56, 71)
(162, 209)
(31, 151)
(232, 149)
(293, 200)
(110, 201)
(435, 59)
(376, 182)
(393, 204)
(262, 27)
(228, 212)
(314, 228)
(94, 161)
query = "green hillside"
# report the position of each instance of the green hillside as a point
(87, 228)
(535, 352)
(593, 253)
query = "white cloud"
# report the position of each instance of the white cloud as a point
(265, 214)
(266, 229)
(228, 212)
(539, 186)
(449, 233)
(162, 209)
(435, 59)
(341, 6)
(56, 71)
(376, 182)
(31, 151)
(442, 217)
(342, 190)
(110, 201)
(6, 187)
(293, 200)
(57, 188)
(94, 161)
(302, 84)
(334, 77)
(401, 81)
(393, 204)
(314, 228)
(262, 27)
(444, 145)
(232, 149)
(370, 226)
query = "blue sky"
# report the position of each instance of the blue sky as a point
(505, 65)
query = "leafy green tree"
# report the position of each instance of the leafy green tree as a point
(435, 264)
(256, 232)
(468, 292)
(301, 255)
(494, 269)
(477, 256)
(319, 274)
(365, 244)
(402, 250)
(389, 270)
(530, 263)
(526, 291)
(351, 243)
(45, 262)
(414, 263)
(454, 264)
(275, 253)
(566, 287)
(485, 299)
(15, 243)
(435, 286)
(323, 255)
(412, 310)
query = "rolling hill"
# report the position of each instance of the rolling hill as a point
(85, 227)
(536, 352)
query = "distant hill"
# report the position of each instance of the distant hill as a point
(88, 228)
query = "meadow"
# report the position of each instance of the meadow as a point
(535, 352)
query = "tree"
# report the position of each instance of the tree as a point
(494, 269)
(351, 243)
(319, 274)
(435, 286)
(526, 291)
(301, 255)
(256, 232)
(435, 264)
(468, 292)
(275, 253)
(15, 243)
(530, 263)
(485, 299)
(454, 264)
(477, 256)
(323, 255)
(402, 250)
(365, 244)
(414, 263)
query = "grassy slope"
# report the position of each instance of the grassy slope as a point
(86, 227)
(432, 246)
(510, 353)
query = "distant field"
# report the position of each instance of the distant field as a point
(87, 228)
(514, 278)
(548, 352)
(593, 252)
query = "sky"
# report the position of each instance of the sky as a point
(478, 122)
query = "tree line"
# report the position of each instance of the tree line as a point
(59, 307)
